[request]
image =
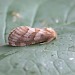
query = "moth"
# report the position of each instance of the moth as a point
(24, 35)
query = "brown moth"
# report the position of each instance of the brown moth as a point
(24, 35)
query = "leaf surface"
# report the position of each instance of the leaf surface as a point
(55, 58)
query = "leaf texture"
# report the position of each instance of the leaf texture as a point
(55, 58)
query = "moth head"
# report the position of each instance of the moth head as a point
(51, 32)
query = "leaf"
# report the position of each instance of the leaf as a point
(55, 58)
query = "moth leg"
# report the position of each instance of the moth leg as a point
(47, 41)
(43, 43)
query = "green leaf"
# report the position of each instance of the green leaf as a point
(55, 58)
